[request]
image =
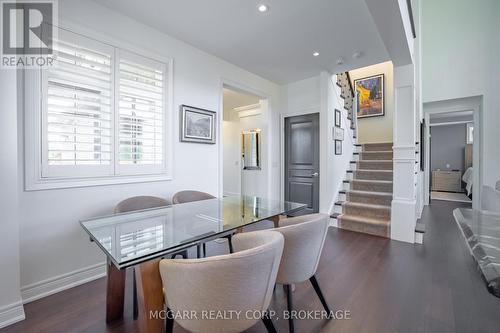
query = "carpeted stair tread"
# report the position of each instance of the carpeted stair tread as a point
(369, 174)
(366, 210)
(370, 197)
(367, 225)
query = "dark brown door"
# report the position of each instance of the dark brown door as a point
(302, 161)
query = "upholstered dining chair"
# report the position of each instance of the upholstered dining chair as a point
(304, 239)
(191, 196)
(140, 203)
(241, 282)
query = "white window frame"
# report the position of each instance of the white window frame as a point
(35, 144)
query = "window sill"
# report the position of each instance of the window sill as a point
(54, 183)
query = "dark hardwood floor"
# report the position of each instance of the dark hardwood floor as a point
(387, 286)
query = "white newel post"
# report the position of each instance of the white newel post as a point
(404, 199)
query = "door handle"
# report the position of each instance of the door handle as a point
(315, 174)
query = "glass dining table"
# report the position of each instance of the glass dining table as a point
(141, 238)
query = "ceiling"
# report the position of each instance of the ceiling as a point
(276, 45)
(233, 99)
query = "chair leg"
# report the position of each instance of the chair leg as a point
(230, 242)
(169, 327)
(289, 307)
(268, 323)
(198, 251)
(135, 306)
(316, 287)
(204, 250)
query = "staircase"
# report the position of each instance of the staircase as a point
(364, 205)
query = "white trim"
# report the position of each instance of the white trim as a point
(35, 291)
(452, 123)
(11, 314)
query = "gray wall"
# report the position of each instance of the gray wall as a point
(448, 146)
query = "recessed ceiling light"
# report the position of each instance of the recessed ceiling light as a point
(316, 54)
(263, 8)
(340, 61)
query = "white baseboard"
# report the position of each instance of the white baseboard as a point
(11, 314)
(62, 282)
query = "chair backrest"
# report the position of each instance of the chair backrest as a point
(190, 196)
(140, 202)
(497, 186)
(241, 281)
(304, 239)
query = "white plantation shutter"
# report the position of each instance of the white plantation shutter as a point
(103, 113)
(79, 108)
(141, 98)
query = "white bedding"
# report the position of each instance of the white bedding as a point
(467, 178)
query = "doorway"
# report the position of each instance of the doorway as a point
(302, 161)
(452, 151)
(244, 163)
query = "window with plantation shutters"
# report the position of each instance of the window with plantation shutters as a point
(79, 109)
(103, 112)
(141, 100)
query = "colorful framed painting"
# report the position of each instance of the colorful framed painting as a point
(370, 96)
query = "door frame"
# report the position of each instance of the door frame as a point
(474, 104)
(244, 88)
(303, 112)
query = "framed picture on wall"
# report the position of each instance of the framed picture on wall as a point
(197, 125)
(338, 116)
(338, 133)
(370, 96)
(338, 147)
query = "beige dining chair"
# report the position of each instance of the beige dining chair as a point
(241, 282)
(304, 239)
(139, 203)
(191, 196)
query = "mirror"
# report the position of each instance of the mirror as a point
(250, 149)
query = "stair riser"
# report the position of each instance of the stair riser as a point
(375, 165)
(382, 231)
(369, 199)
(377, 147)
(337, 209)
(376, 156)
(372, 187)
(381, 213)
(372, 175)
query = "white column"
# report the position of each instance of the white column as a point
(11, 307)
(404, 197)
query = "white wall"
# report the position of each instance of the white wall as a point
(11, 309)
(52, 242)
(460, 48)
(377, 129)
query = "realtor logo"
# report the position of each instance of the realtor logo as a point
(28, 32)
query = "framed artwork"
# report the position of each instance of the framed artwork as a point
(197, 125)
(338, 133)
(370, 96)
(338, 147)
(338, 116)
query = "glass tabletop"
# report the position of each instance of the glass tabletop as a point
(481, 230)
(131, 238)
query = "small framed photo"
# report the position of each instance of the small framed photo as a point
(338, 116)
(338, 133)
(338, 147)
(197, 125)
